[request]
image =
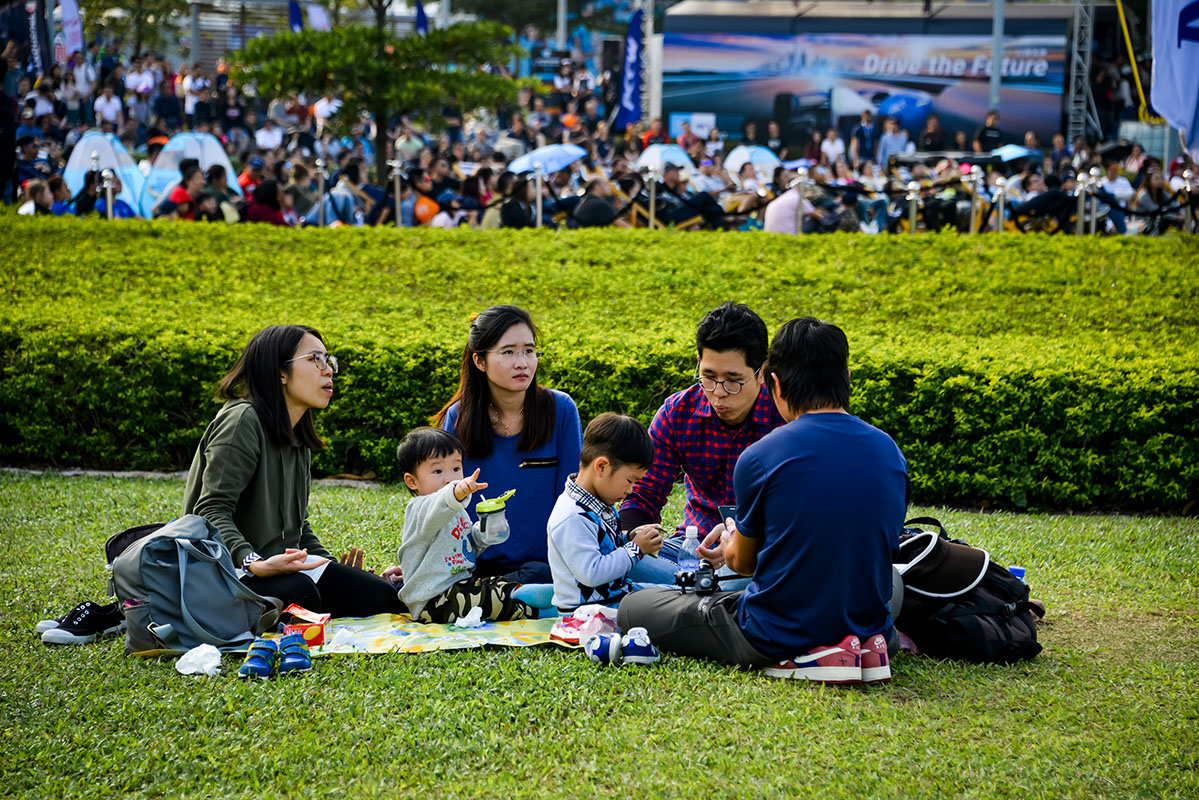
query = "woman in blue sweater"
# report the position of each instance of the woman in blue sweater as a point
(520, 435)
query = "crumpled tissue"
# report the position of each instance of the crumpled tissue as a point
(344, 638)
(473, 619)
(203, 659)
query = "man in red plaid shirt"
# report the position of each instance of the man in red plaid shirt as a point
(701, 431)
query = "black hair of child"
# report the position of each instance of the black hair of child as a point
(623, 440)
(421, 444)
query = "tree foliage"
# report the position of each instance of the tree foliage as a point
(342, 10)
(377, 73)
(516, 14)
(140, 24)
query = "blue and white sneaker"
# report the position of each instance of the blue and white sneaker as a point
(261, 659)
(604, 648)
(638, 649)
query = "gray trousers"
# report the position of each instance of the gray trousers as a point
(688, 624)
(705, 626)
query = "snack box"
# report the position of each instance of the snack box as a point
(307, 623)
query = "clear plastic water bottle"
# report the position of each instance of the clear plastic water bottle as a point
(688, 554)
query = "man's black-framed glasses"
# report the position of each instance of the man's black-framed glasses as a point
(731, 386)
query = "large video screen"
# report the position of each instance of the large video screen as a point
(817, 81)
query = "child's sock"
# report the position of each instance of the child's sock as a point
(538, 595)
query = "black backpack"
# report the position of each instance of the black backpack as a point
(959, 604)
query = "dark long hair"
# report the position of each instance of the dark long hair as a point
(256, 376)
(85, 203)
(267, 194)
(473, 396)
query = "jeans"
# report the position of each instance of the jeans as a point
(873, 209)
(661, 570)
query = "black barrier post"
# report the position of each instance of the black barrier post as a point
(108, 175)
(913, 204)
(1001, 185)
(801, 186)
(320, 198)
(395, 183)
(1188, 176)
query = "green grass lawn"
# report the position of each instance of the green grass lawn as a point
(1110, 709)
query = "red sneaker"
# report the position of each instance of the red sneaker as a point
(839, 663)
(876, 668)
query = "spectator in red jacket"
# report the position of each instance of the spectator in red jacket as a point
(267, 204)
(182, 200)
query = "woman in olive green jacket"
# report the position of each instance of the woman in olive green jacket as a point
(251, 472)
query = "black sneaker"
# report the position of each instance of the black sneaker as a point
(84, 623)
(47, 624)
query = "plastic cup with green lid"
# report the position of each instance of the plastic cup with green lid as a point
(492, 527)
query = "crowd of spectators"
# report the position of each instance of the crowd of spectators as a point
(459, 174)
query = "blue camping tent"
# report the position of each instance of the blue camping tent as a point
(164, 175)
(109, 154)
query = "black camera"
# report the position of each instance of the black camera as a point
(701, 581)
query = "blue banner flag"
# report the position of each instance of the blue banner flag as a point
(294, 19)
(422, 21)
(629, 111)
(1175, 92)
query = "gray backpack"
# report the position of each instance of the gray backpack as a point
(178, 590)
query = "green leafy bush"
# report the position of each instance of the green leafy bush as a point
(1012, 371)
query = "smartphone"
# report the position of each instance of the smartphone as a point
(728, 511)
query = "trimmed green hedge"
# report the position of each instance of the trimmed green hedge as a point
(1013, 371)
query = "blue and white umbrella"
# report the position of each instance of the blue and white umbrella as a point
(164, 175)
(551, 158)
(762, 158)
(110, 154)
(657, 156)
(1011, 152)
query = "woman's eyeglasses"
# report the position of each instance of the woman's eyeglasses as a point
(511, 354)
(323, 360)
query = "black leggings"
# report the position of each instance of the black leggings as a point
(342, 591)
(529, 572)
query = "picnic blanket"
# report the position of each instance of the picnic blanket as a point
(397, 633)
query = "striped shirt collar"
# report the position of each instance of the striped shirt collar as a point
(589, 502)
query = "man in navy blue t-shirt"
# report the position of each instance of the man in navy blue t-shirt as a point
(862, 141)
(820, 503)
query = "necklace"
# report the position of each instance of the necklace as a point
(497, 419)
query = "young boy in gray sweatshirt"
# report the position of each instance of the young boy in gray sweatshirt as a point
(437, 551)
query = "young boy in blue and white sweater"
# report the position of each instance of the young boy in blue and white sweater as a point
(589, 556)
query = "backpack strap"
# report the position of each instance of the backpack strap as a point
(1005, 610)
(187, 547)
(928, 544)
(936, 523)
(923, 554)
(959, 592)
